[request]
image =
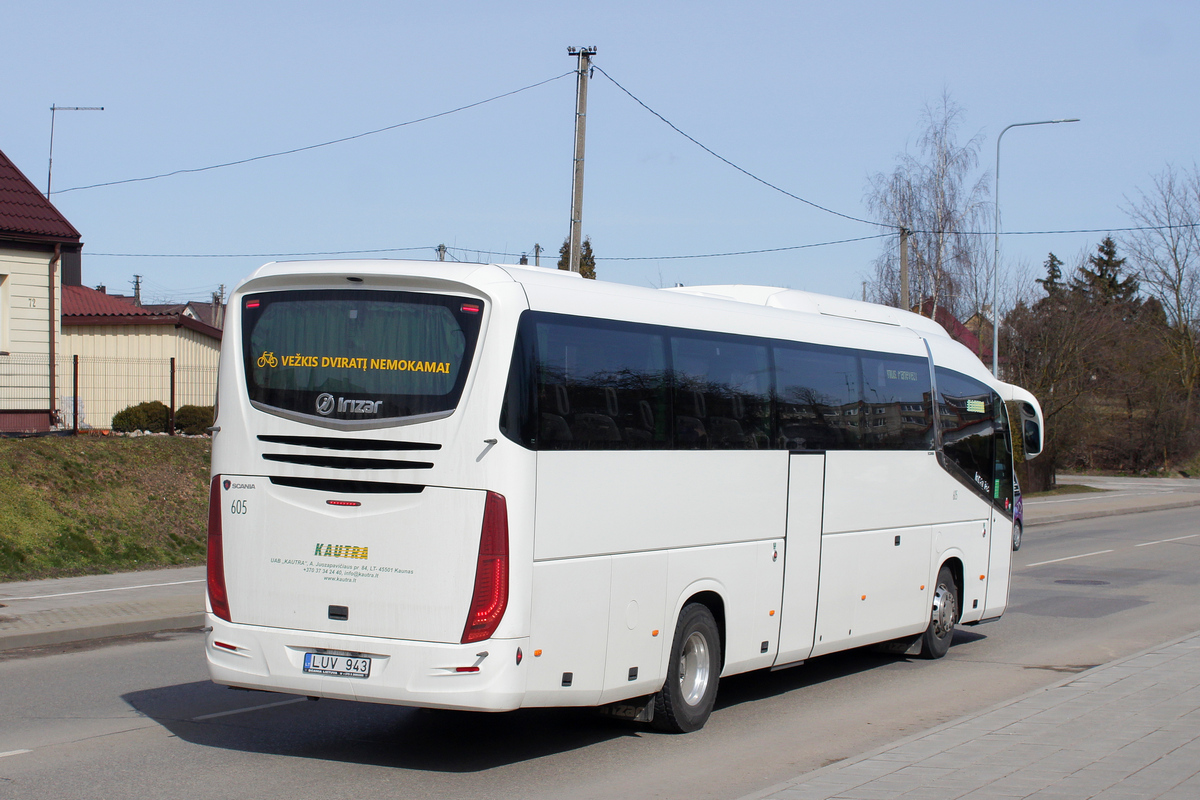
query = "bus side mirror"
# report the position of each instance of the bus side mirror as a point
(1031, 431)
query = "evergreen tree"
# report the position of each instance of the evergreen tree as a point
(587, 259)
(1052, 283)
(1102, 283)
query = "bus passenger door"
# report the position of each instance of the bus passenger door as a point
(802, 556)
(999, 567)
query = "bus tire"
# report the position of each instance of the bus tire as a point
(1016, 536)
(935, 642)
(686, 699)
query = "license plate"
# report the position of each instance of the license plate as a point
(341, 666)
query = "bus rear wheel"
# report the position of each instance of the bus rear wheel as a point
(935, 642)
(686, 699)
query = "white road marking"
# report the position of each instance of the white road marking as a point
(14, 753)
(95, 591)
(251, 708)
(1068, 558)
(1176, 539)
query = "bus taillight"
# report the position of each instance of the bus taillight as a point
(490, 596)
(217, 596)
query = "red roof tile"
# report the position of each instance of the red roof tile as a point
(25, 212)
(80, 301)
(82, 306)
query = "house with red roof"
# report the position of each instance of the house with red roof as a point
(39, 251)
(126, 352)
(968, 335)
(71, 354)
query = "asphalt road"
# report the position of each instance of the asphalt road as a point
(138, 718)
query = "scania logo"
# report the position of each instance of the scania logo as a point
(325, 404)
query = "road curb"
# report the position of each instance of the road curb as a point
(17, 641)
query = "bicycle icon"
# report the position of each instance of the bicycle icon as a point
(268, 360)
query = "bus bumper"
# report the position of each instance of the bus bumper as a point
(485, 676)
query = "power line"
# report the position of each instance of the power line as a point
(745, 172)
(1129, 229)
(504, 254)
(322, 144)
(263, 255)
(742, 252)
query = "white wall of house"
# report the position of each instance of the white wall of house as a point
(25, 301)
(123, 365)
(25, 314)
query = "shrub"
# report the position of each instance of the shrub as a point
(151, 416)
(193, 420)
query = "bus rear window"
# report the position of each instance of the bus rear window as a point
(358, 355)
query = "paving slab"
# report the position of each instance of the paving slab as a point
(1150, 750)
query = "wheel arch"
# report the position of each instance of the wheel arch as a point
(709, 594)
(716, 606)
(958, 571)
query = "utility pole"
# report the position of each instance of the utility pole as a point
(584, 54)
(53, 110)
(904, 269)
(537, 254)
(137, 290)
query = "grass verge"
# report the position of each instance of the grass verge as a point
(88, 504)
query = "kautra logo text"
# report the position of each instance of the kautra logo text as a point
(340, 551)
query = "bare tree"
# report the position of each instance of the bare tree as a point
(1166, 255)
(936, 195)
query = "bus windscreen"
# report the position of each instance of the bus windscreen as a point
(358, 355)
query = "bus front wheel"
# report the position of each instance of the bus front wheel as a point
(687, 697)
(935, 642)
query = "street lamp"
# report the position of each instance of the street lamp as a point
(53, 110)
(996, 256)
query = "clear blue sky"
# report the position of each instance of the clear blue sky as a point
(813, 97)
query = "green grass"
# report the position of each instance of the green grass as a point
(89, 504)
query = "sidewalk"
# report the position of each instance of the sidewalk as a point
(1127, 730)
(38, 613)
(1121, 496)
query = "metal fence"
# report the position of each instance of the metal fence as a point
(89, 391)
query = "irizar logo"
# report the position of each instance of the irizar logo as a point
(358, 406)
(326, 404)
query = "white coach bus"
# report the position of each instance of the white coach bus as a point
(491, 487)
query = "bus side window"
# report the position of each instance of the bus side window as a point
(517, 412)
(818, 395)
(722, 392)
(897, 403)
(599, 385)
(968, 423)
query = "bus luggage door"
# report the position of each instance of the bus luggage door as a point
(806, 494)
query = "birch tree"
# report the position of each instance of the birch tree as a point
(937, 194)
